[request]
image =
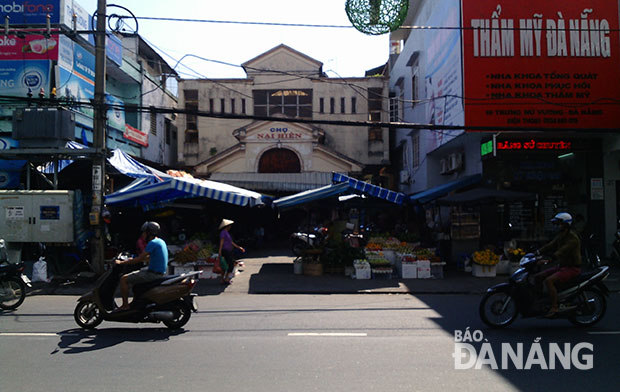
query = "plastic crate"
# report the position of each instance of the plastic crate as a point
(409, 270)
(362, 273)
(437, 270)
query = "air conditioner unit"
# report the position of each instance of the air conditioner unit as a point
(443, 166)
(405, 178)
(455, 161)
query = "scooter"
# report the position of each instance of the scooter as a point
(13, 285)
(302, 241)
(615, 247)
(168, 299)
(582, 301)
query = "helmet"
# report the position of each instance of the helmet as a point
(562, 217)
(150, 228)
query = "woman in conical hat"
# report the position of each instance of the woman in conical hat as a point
(226, 249)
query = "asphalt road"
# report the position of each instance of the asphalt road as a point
(300, 343)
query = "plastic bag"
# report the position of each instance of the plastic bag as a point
(221, 266)
(39, 271)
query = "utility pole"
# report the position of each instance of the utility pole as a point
(99, 140)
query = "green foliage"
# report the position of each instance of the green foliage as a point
(341, 255)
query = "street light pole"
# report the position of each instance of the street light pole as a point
(99, 140)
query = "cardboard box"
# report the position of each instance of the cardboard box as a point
(362, 273)
(409, 270)
(424, 269)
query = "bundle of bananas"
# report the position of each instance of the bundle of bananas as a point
(485, 257)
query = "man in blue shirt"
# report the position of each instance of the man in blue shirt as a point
(155, 255)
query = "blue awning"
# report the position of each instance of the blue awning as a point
(48, 168)
(342, 184)
(369, 189)
(442, 190)
(311, 195)
(153, 196)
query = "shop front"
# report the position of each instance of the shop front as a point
(564, 172)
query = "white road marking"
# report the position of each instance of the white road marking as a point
(34, 334)
(347, 334)
(604, 333)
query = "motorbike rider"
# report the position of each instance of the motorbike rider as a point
(566, 249)
(155, 255)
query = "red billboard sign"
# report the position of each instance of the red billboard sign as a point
(31, 47)
(541, 64)
(136, 135)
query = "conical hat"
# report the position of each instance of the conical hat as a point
(226, 222)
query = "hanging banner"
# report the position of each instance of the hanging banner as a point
(541, 64)
(442, 84)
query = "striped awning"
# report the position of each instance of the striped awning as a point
(369, 189)
(311, 195)
(153, 196)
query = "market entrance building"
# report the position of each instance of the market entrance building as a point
(281, 157)
(267, 148)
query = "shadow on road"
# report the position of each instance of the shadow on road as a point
(76, 341)
(544, 348)
(279, 278)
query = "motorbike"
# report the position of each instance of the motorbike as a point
(301, 241)
(615, 247)
(588, 253)
(168, 299)
(582, 301)
(13, 285)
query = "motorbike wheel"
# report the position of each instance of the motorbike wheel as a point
(298, 248)
(12, 293)
(182, 313)
(495, 312)
(87, 314)
(591, 309)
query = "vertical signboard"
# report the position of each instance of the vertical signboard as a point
(541, 64)
(75, 78)
(443, 82)
(116, 114)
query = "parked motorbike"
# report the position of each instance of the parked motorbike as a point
(589, 255)
(13, 285)
(615, 247)
(168, 300)
(582, 301)
(301, 241)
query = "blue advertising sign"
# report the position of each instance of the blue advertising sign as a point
(113, 45)
(31, 12)
(10, 172)
(17, 77)
(116, 115)
(73, 87)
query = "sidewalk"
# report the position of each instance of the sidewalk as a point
(271, 272)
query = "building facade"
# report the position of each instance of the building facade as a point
(539, 78)
(255, 153)
(61, 66)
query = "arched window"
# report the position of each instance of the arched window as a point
(279, 160)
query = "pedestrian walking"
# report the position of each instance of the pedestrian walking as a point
(226, 248)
